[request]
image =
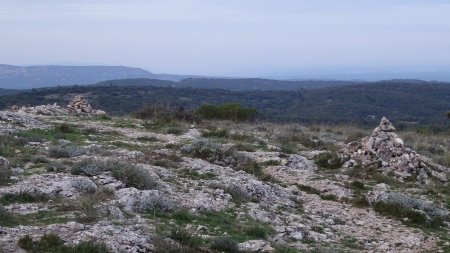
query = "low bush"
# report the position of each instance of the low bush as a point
(55, 166)
(84, 186)
(130, 174)
(89, 167)
(225, 244)
(210, 151)
(328, 160)
(64, 150)
(155, 203)
(133, 176)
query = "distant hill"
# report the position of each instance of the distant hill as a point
(7, 91)
(20, 77)
(410, 103)
(236, 84)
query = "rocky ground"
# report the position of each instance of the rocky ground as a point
(145, 186)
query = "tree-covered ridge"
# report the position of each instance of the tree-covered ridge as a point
(418, 103)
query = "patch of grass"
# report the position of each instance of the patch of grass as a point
(259, 230)
(245, 147)
(352, 243)
(5, 174)
(225, 244)
(328, 161)
(318, 229)
(216, 133)
(175, 130)
(285, 249)
(308, 189)
(238, 195)
(65, 128)
(358, 185)
(330, 197)
(8, 219)
(22, 197)
(251, 167)
(360, 201)
(289, 147)
(52, 243)
(398, 211)
(192, 174)
(148, 138)
(186, 238)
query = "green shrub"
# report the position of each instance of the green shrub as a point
(234, 112)
(225, 244)
(328, 160)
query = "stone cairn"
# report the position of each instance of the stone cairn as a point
(386, 150)
(79, 105)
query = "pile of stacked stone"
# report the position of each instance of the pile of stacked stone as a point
(79, 105)
(48, 110)
(384, 149)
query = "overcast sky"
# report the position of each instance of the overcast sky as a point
(229, 37)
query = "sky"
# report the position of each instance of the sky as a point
(247, 38)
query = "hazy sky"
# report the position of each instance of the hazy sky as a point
(229, 37)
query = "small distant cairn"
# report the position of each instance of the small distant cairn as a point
(79, 105)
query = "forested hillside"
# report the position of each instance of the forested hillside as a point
(413, 103)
